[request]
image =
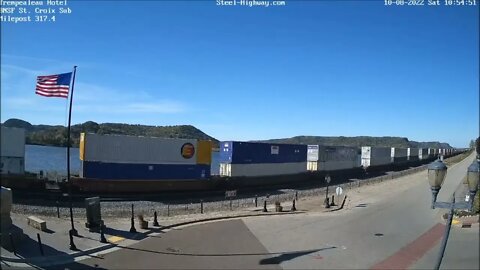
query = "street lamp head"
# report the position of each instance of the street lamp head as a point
(473, 174)
(436, 174)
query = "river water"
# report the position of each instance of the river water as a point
(49, 158)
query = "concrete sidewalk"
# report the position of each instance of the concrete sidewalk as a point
(55, 241)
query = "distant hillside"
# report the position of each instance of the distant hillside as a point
(55, 135)
(360, 141)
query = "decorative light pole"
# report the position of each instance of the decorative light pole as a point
(327, 180)
(473, 176)
(437, 172)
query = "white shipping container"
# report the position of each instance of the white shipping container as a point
(131, 149)
(423, 153)
(312, 166)
(398, 152)
(312, 152)
(375, 156)
(331, 158)
(12, 142)
(412, 153)
(12, 165)
(337, 165)
(262, 169)
(337, 153)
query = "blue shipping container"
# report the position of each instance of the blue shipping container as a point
(105, 170)
(250, 153)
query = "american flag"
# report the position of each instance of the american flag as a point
(53, 85)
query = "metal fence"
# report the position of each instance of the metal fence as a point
(122, 209)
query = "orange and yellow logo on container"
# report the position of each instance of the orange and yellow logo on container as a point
(188, 150)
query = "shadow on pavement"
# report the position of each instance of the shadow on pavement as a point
(289, 255)
(72, 266)
(49, 231)
(28, 248)
(178, 253)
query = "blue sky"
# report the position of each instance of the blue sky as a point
(326, 68)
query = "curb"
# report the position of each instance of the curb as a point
(463, 222)
(225, 218)
(63, 259)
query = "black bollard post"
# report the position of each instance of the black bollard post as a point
(201, 206)
(256, 200)
(102, 234)
(296, 195)
(12, 244)
(293, 206)
(58, 210)
(168, 210)
(40, 246)
(155, 220)
(132, 226)
(230, 204)
(333, 201)
(326, 202)
(343, 202)
(72, 245)
(265, 206)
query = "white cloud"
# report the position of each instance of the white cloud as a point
(161, 106)
(19, 101)
(28, 58)
(92, 93)
(96, 98)
(91, 101)
(29, 71)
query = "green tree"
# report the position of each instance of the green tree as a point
(477, 142)
(472, 144)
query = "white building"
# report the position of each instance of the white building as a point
(12, 151)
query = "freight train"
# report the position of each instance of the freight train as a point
(126, 164)
(130, 164)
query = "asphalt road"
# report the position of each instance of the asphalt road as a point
(381, 234)
(220, 245)
(398, 231)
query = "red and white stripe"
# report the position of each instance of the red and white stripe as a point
(47, 86)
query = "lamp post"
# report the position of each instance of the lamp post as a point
(473, 176)
(437, 172)
(327, 180)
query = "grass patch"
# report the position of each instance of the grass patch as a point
(476, 204)
(475, 211)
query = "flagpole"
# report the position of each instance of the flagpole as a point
(73, 231)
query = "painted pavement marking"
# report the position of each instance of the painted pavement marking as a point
(115, 239)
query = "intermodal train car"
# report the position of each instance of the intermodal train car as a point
(129, 163)
(332, 158)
